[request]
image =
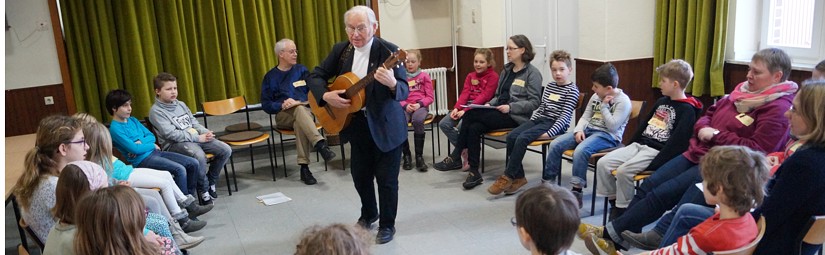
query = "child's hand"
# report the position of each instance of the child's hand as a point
(154, 238)
(124, 183)
(157, 147)
(505, 108)
(409, 108)
(460, 114)
(415, 106)
(202, 138)
(453, 114)
(579, 136)
(138, 142)
(607, 99)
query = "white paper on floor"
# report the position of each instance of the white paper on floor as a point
(273, 199)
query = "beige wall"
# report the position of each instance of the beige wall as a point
(427, 24)
(31, 55)
(616, 30)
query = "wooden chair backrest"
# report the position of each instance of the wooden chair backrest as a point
(224, 107)
(816, 234)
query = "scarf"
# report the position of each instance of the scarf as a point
(746, 100)
(414, 74)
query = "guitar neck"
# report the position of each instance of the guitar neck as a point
(361, 84)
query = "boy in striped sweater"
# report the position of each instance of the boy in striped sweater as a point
(551, 118)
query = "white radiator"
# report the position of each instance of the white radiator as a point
(439, 76)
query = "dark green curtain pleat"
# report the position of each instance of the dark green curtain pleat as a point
(696, 32)
(217, 49)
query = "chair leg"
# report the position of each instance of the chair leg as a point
(227, 176)
(437, 131)
(271, 161)
(432, 142)
(604, 219)
(234, 178)
(481, 162)
(593, 197)
(283, 152)
(252, 156)
(343, 158)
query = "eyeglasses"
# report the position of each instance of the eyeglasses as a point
(360, 29)
(82, 141)
(291, 51)
(792, 110)
(513, 221)
(512, 48)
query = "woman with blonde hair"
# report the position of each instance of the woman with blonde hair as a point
(59, 141)
(110, 221)
(335, 239)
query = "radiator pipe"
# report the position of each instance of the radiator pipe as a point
(455, 49)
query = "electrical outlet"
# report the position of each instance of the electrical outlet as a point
(49, 100)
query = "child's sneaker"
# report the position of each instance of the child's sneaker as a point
(516, 186)
(205, 199)
(502, 183)
(599, 246)
(587, 229)
(213, 192)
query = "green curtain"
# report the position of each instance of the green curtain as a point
(216, 48)
(696, 32)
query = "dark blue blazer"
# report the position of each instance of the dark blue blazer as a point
(386, 119)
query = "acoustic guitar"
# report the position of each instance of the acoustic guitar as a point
(336, 119)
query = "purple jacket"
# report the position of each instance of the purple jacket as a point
(421, 90)
(768, 131)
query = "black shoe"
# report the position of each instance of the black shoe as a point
(419, 163)
(306, 176)
(205, 199)
(448, 164)
(192, 225)
(384, 235)
(615, 212)
(366, 224)
(213, 192)
(326, 153)
(196, 210)
(406, 162)
(472, 181)
(578, 195)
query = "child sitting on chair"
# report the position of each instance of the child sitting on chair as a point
(416, 107)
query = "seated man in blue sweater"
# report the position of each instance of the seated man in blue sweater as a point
(284, 93)
(137, 144)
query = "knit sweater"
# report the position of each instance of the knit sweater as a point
(175, 123)
(557, 104)
(125, 136)
(766, 129)
(668, 128)
(522, 94)
(794, 195)
(421, 90)
(610, 118)
(479, 88)
(279, 85)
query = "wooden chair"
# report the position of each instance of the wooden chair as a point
(747, 249)
(816, 232)
(636, 109)
(209, 157)
(282, 132)
(31, 234)
(638, 178)
(22, 250)
(240, 139)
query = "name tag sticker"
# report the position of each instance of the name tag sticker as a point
(518, 82)
(474, 82)
(411, 83)
(192, 131)
(656, 122)
(597, 115)
(300, 83)
(745, 119)
(554, 97)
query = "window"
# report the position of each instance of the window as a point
(789, 25)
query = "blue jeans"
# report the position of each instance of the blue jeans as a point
(517, 142)
(657, 194)
(221, 150)
(680, 220)
(593, 142)
(184, 169)
(450, 127)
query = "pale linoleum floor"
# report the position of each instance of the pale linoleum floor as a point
(435, 215)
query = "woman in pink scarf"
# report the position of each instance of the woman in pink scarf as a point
(752, 116)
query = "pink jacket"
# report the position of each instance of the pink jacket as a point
(478, 88)
(421, 90)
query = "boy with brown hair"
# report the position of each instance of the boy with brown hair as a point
(664, 136)
(547, 217)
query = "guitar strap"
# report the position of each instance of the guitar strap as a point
(344, 56)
